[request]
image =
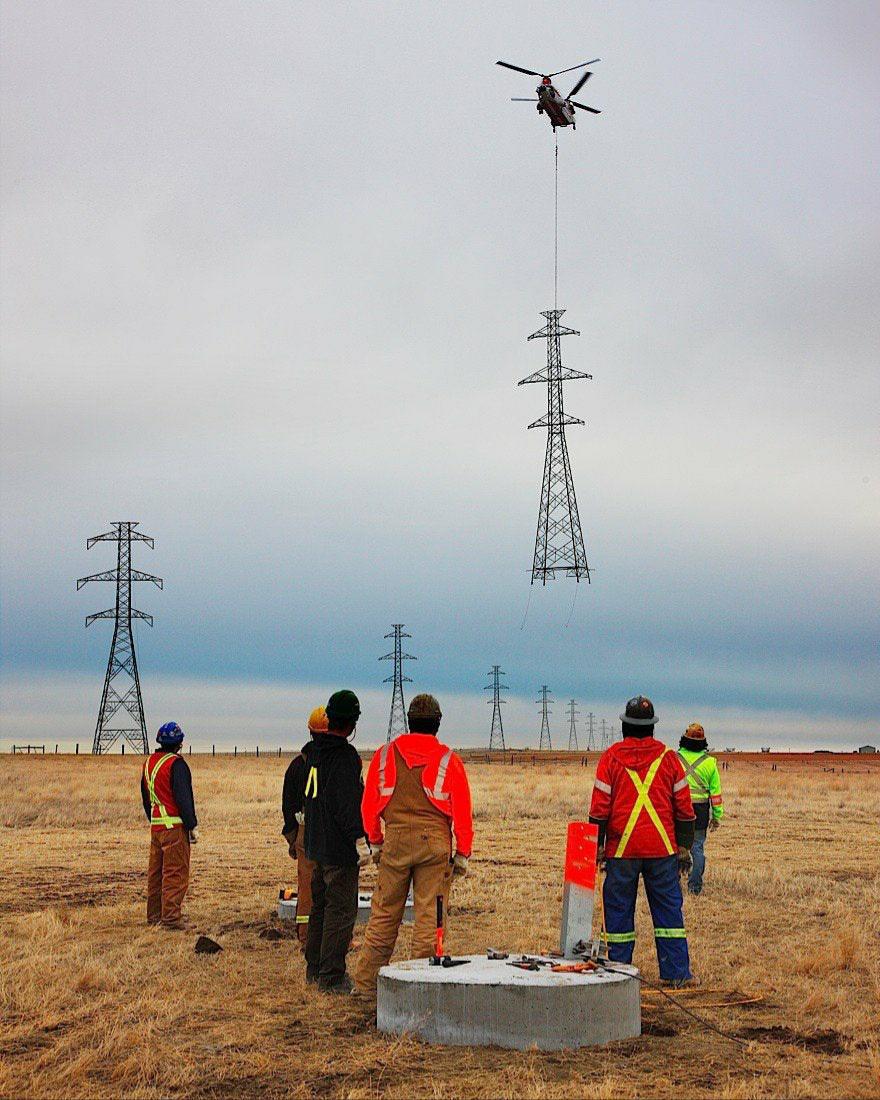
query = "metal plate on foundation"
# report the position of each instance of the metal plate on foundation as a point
(489, 1003)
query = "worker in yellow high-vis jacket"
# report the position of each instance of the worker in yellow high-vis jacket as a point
(704, 780)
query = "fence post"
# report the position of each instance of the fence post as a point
(123, 748)
(213, 753)
(77, 748)
(279, 752)
(56, 748)
(235, 751)
(258, 752)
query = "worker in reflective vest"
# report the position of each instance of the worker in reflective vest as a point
(415, 797)
(642, 805)
(701, 771)
(293, 802)
(166, 792)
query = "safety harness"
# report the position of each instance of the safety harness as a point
(643, 802)
(162, 817)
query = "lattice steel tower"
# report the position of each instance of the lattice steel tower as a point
(559, 543)
(591, 743)
(573, 713)
(496, 734)
(545, 715)
(397, 722)
(122, 708)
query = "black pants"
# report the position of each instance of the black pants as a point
(331, 921)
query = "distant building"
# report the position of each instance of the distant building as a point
(868, 748)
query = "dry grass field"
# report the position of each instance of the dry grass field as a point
(93, 1003)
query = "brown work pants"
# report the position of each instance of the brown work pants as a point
(167, 876)
(419, 854)
(305, 868)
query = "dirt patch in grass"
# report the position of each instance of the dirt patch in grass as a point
(818, 1042)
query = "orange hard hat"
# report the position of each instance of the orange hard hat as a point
(696, 731)
(318, 720)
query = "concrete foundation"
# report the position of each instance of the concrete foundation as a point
(489, 1003)
(287, 909)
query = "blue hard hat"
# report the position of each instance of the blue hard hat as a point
(170, 735)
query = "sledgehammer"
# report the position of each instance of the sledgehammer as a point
(438, 958)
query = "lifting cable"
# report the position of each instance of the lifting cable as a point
(556, 220)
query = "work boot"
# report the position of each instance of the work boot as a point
(680, 983)
(344, 986)
(312, 975)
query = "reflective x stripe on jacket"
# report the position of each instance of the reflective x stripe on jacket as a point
(690, 772)
(162, 817)
(643, 802)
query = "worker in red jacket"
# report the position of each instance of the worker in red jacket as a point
(418, 790)
(642, 805)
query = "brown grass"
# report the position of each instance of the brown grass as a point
(92, 1003)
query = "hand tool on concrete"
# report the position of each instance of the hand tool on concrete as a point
(439, 958)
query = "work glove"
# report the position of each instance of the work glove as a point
(600, 857)
(291, 842)
(194, 836)
(377, 853)
(364, 855)
(459, 865)
(684, 861)
(713, 824)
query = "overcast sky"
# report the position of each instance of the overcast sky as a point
(268, 273)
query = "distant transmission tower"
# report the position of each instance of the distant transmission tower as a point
(572, 728)
(591, 743)
(545, 715)
(122, 708)
(559, 543)
(606, 740)
(496, 734)
(397, 719)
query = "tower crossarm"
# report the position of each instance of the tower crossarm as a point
(563, 374)
(107, 575)
(113, 536)
(110, 613)
(556, 422)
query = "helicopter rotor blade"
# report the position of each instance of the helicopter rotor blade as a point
(516, 68)
(580, 83)
(572, 68)
(519, 99)
(584, 107)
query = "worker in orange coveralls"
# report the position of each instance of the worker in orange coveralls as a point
(418, 787)
(293, 800)
(166, 792)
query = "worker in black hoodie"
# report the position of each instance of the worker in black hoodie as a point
(334, 830)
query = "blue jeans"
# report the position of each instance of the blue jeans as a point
(664, 899)
(698, 854)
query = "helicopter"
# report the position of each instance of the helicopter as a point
(559, 110)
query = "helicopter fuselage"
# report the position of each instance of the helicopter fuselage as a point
(551, 104)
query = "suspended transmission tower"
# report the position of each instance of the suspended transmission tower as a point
(559, 543)
(122, 708)
(572, 728)
(591, 743)
(496, 734)
(397, 719)
(545, 715)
